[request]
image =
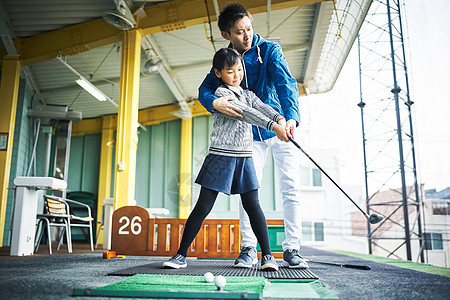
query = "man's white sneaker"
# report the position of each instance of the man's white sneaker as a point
(293, 260)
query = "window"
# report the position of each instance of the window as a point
(317, 177)
(310, 177)
(306, 231)
(433, 241)
(318, 232)
(305, 178)
(441, 208)
(313, 231)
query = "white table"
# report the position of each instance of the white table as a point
(25, 209)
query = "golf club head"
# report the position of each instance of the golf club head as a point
(374, 218)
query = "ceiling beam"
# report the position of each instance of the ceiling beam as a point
(148, 117)
(6, 33)
(165, 16)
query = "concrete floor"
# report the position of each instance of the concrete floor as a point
(54, 277)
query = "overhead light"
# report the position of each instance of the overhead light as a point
(87, 85)
(91, 89)
(153, 65)
(120, 18)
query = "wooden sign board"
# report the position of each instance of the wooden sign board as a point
(134, 232)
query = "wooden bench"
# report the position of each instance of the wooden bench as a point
(134, 232)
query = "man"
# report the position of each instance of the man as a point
(268, 76)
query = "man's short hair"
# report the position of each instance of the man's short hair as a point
(231, 14)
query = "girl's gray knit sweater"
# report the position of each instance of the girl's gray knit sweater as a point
(232, 136)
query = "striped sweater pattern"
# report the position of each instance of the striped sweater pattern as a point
(232, 136)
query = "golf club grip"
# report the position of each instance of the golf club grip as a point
(361, 267)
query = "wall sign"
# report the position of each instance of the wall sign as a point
(3, 141)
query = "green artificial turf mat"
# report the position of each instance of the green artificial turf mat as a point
(158, 282)
(195, 287)
(400, 263)
(310, 289)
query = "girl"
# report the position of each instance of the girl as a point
(228, 168)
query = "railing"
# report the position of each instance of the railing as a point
(134, 232)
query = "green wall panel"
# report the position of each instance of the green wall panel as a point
(158, 167)
(91, 161)
(143, 168)
(172, 169)
(75, 163)
(84, 163)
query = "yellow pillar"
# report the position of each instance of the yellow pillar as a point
(126, 139)
(9, 88)
(104, 181)
(184, 206)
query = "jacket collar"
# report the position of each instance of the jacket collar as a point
(257, 40)
(237, 90)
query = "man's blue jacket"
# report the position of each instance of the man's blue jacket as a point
(267, 75)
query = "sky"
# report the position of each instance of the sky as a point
(333, 120)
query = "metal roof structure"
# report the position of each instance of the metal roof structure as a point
(316, 37)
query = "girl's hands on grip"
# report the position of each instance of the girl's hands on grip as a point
(281, 133)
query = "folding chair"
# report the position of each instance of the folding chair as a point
(57, 213)
(54, 215)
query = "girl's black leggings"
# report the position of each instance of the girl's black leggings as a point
(205, 203)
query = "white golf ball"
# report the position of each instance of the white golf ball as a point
(220, 281)
(209, 277)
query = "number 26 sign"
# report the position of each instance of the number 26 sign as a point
(135, 225)
(130, 230)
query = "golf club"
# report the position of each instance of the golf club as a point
(373, 218)
(361, 267)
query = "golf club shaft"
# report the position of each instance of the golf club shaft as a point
(361, 267)
(310, 158)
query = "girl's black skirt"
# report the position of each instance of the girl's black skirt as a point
(228, 174)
